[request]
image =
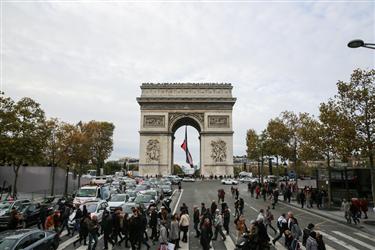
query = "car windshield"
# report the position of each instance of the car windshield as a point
(6, 244)
(91, 207)
(128, 209)
(140, 188)
(143, 198)
(131, 193)
(165, 187)
(5, 206)
(86, 192)
(118, 197)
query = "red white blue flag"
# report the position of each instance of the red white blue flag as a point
(184, 146)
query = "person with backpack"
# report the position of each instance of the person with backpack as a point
(306, 233)
(295, 229)
(282, 225)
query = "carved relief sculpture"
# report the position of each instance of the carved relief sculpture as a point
(153, 121)
(218, 121)
(218, 150)
(153, 150)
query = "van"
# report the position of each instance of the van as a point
(91, 193)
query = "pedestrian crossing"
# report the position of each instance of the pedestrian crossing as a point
(334, 240)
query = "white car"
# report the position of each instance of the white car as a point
(188, 179)
(118, 201)
(93, 208)
(246, 179)
(229, 182)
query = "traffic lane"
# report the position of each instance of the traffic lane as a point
(305, 217)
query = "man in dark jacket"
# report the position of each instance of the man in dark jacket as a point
(107, 229)
(306, 233)
(226, 219)
(196, 221)
(206, 234)
(153, 224)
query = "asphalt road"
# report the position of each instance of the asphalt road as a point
(336, 235)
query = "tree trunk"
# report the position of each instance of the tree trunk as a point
(329, 182)
(15, 169)
(372, 170)
(53, 179)
(66, 181)
(79, 175)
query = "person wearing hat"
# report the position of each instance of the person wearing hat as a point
(306, 233)
(218, 224)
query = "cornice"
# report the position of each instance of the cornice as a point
(187, 85)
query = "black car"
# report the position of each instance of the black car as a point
(29, 213)
(5, 209)
(167, 190)
(29, 239)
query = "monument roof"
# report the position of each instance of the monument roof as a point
(186, 85)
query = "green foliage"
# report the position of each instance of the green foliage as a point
(177, 170)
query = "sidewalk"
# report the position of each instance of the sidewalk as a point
(366, 225)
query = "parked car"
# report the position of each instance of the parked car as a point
(29, 239)
(118, 201)
(229, 182)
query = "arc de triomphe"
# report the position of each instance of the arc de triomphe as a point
(167, 106)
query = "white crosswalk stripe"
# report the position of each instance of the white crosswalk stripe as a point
(67, 243)
(339, 242)
(364, 236)
(353, 240)
(229, 244)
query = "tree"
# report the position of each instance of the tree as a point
(177, 170)
(7, 119)
(293, 122)
(52, 148)
(277, 140)
(357, 100)
(100, 136)
(25, 134)
(256, 148)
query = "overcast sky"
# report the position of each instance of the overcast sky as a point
(85, 61)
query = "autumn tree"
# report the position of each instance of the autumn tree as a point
(357, 100)
(256, 148)
(53, 147)
(23, 136)
(100, 136)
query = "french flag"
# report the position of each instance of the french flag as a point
(184, 146)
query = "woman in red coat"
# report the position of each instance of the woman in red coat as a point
(363, 203)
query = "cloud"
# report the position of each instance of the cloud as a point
(85, 61)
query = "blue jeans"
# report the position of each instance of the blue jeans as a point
(93, 236)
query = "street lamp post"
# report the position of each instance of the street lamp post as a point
(360, 43)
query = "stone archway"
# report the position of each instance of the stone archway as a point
(165, 107)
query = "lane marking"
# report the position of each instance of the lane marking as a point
(365, 236)
(67, 243)
(183, 245)
(277, 245)
(228, 242)
(178, 201)
(86, 247)
(353, 240)
(337, 241)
